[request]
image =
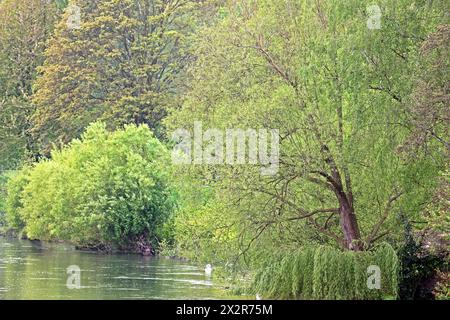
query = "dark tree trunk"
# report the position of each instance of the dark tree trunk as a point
(349, 224)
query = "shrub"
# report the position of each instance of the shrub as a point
(109, 188)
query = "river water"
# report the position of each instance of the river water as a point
(30, 270)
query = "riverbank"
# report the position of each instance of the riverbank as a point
(8, 233)
(11, 234)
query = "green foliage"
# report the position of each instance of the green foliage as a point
(323, 272)
(436, 212)
(420, 265)
(333, 271)
(107, 188)
(427, 106)
(3, 180)
(25, 27)
(15, 142)
(313, 70)
(62, 4)
(203, 233)
(362, 116)
(122, 65)
(302, 274)
(442, 289)
(15, 188)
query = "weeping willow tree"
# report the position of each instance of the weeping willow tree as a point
(324, 272)
(335, 89)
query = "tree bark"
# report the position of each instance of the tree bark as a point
(349, 224)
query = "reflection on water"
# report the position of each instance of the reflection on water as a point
(30, 270)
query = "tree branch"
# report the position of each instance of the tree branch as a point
(373, 236)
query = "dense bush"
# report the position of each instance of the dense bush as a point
(323, 272)
(105, 189)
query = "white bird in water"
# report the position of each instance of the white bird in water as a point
(208, 270)
(258, 297)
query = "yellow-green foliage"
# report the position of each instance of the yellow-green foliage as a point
(3, 180)
(205, 233)
(14, 189)
(107, 188)
(327, 273)
(120, 66)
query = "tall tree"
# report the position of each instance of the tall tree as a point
(25, 26)
(334, 84)
(121, 64)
